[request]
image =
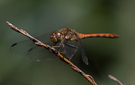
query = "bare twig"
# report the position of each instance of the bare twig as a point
(53, 50)
(115, 79)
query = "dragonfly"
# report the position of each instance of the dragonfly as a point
(65, 41)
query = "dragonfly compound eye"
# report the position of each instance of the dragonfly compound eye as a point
(55, 37)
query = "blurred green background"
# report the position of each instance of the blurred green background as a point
(106, 56)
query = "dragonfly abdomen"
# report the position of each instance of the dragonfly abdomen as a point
(103, 35)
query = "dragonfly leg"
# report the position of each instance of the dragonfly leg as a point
(59, 46)
(73, 46)
(64, 50)
(56, 46)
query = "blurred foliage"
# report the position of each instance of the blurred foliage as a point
(106, 56)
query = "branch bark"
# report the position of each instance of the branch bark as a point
(115, 79)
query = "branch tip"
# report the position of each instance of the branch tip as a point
(115, 79)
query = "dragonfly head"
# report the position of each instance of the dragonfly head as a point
(56, 37)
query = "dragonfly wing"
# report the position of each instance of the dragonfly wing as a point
(39, 53)
(21, 48)
(32, 51)
(84, 57)
(70, 50)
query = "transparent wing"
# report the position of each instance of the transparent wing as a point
(21, 48)
(84, 57)
(32, 51)
(40, 54)
(70, 49)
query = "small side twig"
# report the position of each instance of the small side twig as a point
(53, 50)
(115, 79)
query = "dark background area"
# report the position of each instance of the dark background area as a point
(106, 56)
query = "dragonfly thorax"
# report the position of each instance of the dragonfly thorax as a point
(56, 37)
